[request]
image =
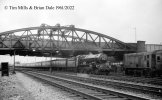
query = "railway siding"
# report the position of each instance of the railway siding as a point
(94, 87)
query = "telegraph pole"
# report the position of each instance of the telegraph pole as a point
(51, 62)
(135, 34)
(14, 62)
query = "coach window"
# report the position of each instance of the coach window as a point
(158, 58)
(147, 63)
(147, 56)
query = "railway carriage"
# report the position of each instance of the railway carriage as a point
(93, 63)
(144, 63)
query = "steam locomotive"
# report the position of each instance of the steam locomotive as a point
(91, 64)
(144, 63)
(94, 64)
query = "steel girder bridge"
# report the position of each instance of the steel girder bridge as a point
(58, 40)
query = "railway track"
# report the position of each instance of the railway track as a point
(154, 81)
(85, 90)
(151, 89)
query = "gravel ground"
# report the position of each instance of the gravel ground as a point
(12, 89)
(22, 87)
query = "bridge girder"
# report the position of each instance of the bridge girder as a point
(56, 38)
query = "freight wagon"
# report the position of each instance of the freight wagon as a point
(144, 63)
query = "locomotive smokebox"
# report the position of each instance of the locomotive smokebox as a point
(141, 46)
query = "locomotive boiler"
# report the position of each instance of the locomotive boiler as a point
(144, 63)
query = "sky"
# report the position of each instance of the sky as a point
(125, 20)
(115, 18)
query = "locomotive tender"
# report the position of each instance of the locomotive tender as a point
(92, 63)
(144, 63)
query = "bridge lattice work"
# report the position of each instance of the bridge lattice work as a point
(47, 38)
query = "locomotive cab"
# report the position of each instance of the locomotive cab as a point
(157, 63)
(144, 63)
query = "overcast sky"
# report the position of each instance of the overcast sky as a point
(115, 18)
